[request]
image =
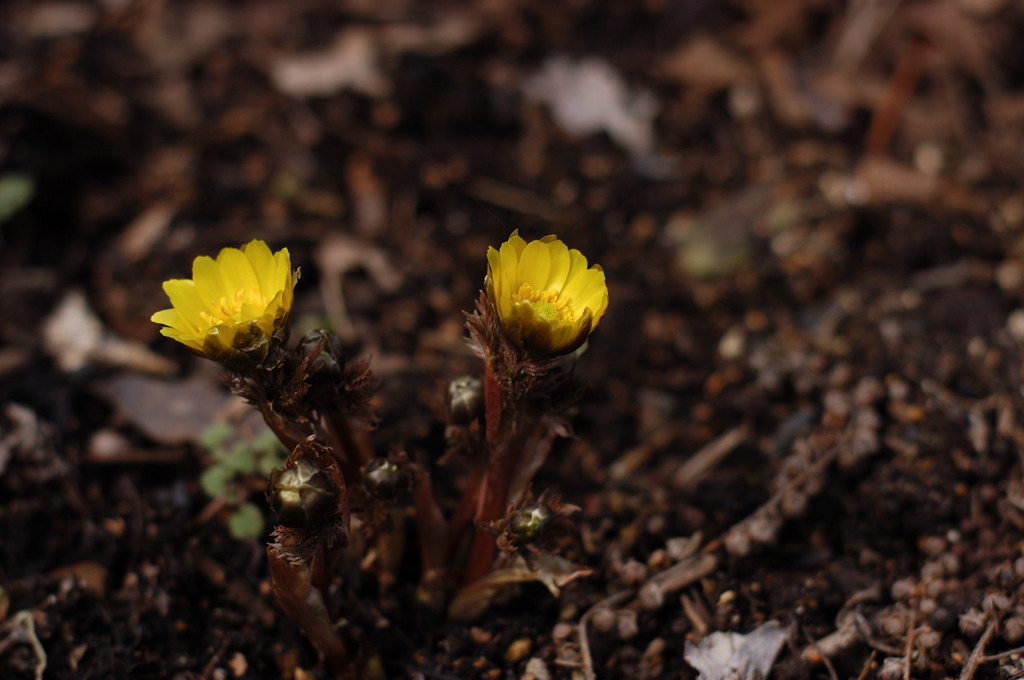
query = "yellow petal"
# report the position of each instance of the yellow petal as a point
(597, 303)
(592, 288)
(561, 336)
(173, 319)
(236, 272)
(559, 254)
(534, 265)
(508, 270)
(284, 276)
(185, 298)
(494, 271)
(192, 341)
(264, 264)
(580, 284)
(209, 284)
(517, 243)
(577, 264)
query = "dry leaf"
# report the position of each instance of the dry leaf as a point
(734, 656)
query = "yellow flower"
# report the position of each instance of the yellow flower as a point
(546, 299)
(232, 306)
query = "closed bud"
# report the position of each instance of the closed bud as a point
(387, 479)
(465, 399)
(302, 495)
(530, 523)
(325, 365)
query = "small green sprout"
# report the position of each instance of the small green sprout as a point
(233, 464)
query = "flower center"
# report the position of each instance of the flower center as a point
(547, 304)
(230, 308)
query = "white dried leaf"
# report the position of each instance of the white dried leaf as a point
(589, 96)
(351, 62)
(735, 656)
(72, 332)
(74, 336)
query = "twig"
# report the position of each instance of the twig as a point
(1002, 655)
(894, 99)
(863, 22)
(22, 628)
(631, 460)
(846, 634)
(686, 572)
(588, 661)
(909, 648)
(824, 461)
(824, 659)
(977, 656)
(713, 453)
(851, 627)
(867, 665)
(208, 668)
(880, 646)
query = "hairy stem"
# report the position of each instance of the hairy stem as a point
(286, 431)
(305, 605)
(494, 487)
(351, 444)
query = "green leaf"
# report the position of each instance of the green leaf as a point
(242, 460)
(214, 480)
(272, 455)
(246, 522)
(267, 442)
(214, 435)
(16, 191)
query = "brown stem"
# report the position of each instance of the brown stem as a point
(320, 570)
(894, 99)
(433, 538)
(284, 430)
(462, 518)
(305, 605)
(494, 406)
(350, 443)
(483, 548)
(495, 483)
(429, 522)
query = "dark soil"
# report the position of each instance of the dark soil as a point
(814, 246)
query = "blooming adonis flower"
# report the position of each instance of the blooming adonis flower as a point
(232, 306)
(546, 299)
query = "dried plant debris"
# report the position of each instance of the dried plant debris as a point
(29, 447)
(590, 96)
(736, 656)
(75, 336)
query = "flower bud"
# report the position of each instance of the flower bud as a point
(530, 523)
(465, 399)
(387, 479)
(302, 495)
(325, 365)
